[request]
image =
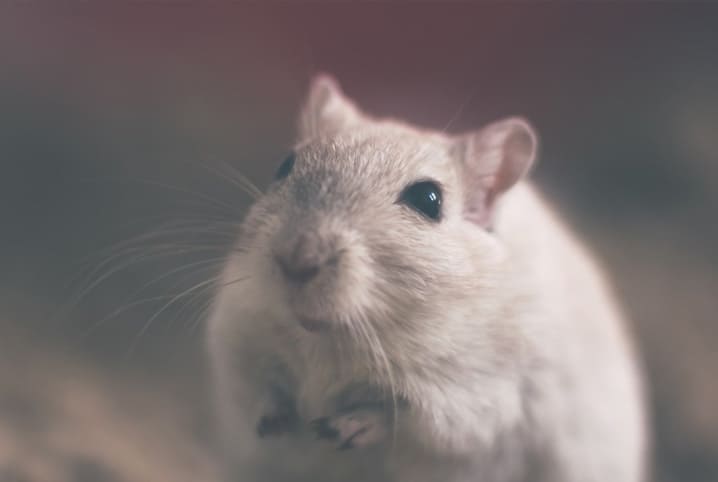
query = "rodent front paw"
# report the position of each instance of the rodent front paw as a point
(276, 424)
(281, 416)
(358, 428)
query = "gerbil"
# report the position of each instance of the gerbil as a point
(402, 306)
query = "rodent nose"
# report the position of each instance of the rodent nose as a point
(302, 261)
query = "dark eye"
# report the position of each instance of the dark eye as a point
(285, 167)
(423, 197)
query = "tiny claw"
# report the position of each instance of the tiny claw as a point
(349, 443)
(323, 430)
(274, 425)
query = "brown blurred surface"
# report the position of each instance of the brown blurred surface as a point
(64, 421)
(101, 105)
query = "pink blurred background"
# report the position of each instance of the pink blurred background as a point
(99, 104)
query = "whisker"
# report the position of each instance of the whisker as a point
(234, 281)
(460, 110)
(210, 261)
(125, 307)
(150, 182)
(234, 177)
(132, 260)
(240, 177)
(121, 248)
(175, 299)
(202, 314)
(363, 337)
(381, 354)
(193, 299)
(426, 146)
(149, 240)
(205, 307)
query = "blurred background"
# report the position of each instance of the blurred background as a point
(118, 121)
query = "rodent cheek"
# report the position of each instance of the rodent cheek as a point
(355, 278)
(249, 282)
(479, 249)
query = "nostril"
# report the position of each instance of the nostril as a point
(297, 271)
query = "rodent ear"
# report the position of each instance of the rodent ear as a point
(494, 159)
(326, 110)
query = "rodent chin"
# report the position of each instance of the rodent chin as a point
(310, 314)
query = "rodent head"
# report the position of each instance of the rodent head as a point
(374, 222)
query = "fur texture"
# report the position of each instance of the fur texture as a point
(484, 346)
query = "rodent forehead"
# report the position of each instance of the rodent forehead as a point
(350, 170)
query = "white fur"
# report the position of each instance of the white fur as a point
(505, 343)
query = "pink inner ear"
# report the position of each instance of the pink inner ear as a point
(480, 198)
(494, 159)
(518, 157)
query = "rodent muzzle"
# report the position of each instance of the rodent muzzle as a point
(303, 258)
